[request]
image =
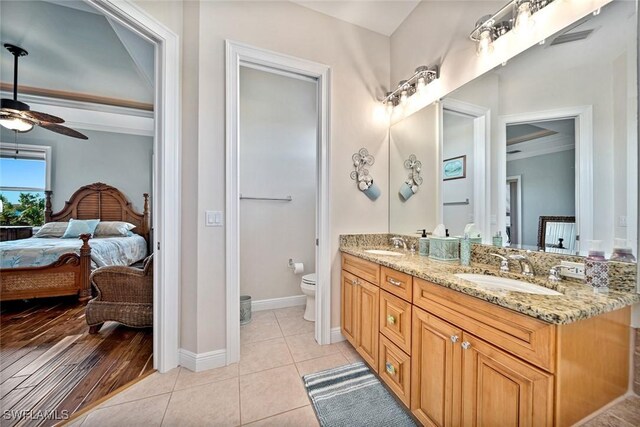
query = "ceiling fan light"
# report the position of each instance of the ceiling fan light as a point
(16, 124)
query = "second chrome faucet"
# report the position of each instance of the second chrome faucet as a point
(525, 265)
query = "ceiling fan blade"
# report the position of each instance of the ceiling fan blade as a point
(43, 117)
(63, 130)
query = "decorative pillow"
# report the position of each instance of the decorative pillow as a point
(113, 229)
(80, 226)
(52, 229)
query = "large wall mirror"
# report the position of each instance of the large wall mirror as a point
(550, 134)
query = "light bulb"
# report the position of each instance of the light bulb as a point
(16, 124)
(524, 21)
(403, 96)
(422, 84)
(485, 42)
(389, 107)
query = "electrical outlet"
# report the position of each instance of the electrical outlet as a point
(572, 269)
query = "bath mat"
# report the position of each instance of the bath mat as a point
(353, 396)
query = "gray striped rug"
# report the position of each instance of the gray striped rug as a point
(352, 396)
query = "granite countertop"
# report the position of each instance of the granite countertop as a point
(578, 301)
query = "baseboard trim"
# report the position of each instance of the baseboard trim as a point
(336, 335)
(197, 362)
(273, 303)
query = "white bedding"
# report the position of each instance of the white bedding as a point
(37, 252)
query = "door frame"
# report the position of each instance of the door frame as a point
(237, 54)
(583, 116)
(518, 180)
(166, 200)
(481, 161)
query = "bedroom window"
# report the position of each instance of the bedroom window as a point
(24, 176)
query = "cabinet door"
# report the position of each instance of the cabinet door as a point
(501, 390)
(435, 370)
(367, 324)
(348, 311)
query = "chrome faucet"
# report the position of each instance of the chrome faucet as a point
(397, 240)
(525, 265)
(554, 273)
(504, 262)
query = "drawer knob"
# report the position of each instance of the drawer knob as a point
(466, 345)
(454, 338)
(391, 320)
(393, 281)
(390, 368)
(354, 282)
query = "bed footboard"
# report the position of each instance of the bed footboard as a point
(68, 275)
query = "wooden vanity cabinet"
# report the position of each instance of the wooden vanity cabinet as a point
(456, 360)
(361, 306)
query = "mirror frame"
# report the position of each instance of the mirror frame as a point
(542, 226)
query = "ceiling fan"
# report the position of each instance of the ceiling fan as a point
(17, 116)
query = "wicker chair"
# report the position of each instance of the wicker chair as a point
(124, 295)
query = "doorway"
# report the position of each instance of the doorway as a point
(237, 55)
(278, 129)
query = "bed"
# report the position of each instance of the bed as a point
(46, 267)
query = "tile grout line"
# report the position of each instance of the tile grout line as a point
(276, 415)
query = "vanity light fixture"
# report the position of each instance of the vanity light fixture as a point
(406, 88)
(516, 15)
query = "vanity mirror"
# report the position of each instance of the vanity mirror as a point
(552, 133)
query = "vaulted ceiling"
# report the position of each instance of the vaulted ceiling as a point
(382, 16)
(73, 48)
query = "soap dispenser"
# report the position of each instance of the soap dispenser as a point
(596, 268)
(424, 244)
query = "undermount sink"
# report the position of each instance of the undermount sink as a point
(382, 252)
(504, 284)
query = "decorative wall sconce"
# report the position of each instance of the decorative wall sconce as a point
(414, 180)
(361, 159)
(414, 84)
(516, 15)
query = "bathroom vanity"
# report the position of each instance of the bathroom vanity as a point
(456, 353)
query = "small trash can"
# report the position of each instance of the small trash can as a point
(245, 309)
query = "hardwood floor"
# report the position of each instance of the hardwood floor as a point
(49, 362)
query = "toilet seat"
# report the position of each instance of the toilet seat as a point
(309, 279)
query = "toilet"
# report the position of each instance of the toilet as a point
(308, 286)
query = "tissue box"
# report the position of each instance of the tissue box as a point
(444, 248)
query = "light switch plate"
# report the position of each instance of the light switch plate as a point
(572, 269)
(622, 221)
(213, 219)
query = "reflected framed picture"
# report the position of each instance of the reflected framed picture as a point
(454, 168)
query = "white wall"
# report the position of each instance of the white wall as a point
(278, 140)
(359, 61)
(457, 141)
(417, 135)
(123, 161)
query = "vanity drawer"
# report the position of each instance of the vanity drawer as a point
(395, 320)
(367, 270)
(399, 284)
(531, 339)
(395, 369)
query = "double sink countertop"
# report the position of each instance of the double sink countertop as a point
(578, 301)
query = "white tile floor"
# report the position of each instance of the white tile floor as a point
(264, 389)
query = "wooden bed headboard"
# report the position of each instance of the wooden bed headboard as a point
(104, 202)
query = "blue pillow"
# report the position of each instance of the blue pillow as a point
(77, 227)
